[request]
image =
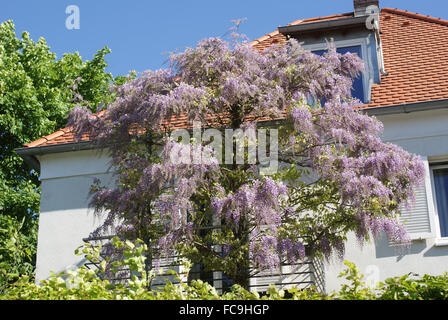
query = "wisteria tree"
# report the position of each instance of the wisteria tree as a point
(335, 175)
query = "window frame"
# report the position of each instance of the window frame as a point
(366, 56)
(430, 204)
(439, 240)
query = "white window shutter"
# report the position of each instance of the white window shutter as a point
(418, 219)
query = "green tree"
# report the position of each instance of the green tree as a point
(17, 249)
(37, 92)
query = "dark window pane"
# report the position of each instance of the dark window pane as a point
(358, 84)
(320, 52)
(441, 186)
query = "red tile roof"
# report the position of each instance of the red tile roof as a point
(415, 51)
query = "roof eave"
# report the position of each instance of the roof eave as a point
(323, 25)
(407, 108)
(29, 153)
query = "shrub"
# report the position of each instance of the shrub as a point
(87, 284)
(411, 287)
(17, 249)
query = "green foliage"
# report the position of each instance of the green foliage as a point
(87, 284)
(357, 288)
(37, 92)
(17, 251)
(411, 287)
(407, 287)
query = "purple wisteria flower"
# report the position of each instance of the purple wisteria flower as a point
(338, 175)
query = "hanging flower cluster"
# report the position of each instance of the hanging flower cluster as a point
(338, 176)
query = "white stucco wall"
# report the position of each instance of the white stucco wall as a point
(65, 219)
(426, 134)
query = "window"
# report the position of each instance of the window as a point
(440, 186)
(358, 83)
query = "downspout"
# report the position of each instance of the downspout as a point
(379, 48)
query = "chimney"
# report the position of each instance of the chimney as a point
(361, 6)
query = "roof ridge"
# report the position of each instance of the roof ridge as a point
(416, 16)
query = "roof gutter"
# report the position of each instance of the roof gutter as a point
(407, 108)
(323, 25)
(29, 154)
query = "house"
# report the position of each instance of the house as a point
(405, 85)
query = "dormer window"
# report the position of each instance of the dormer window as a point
(363, 43)
(358, 89)
(350, 32)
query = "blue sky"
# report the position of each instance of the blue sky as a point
(140, 33)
